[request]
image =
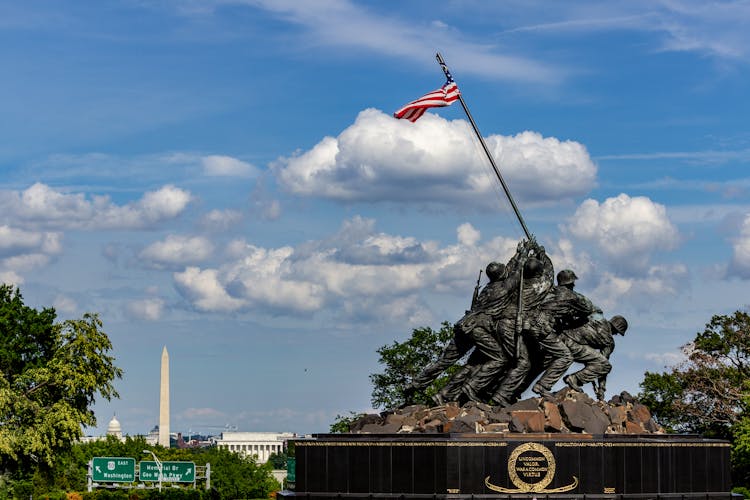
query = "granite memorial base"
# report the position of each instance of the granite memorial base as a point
(570, 466)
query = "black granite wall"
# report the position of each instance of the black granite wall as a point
(507, 466)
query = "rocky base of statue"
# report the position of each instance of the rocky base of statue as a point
(567, 412)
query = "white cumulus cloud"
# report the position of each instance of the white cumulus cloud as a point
(226, 166)
(468, 235)
(626, 230)
(358, 272)
(23, 250)
(44, 206)
(14, 241)
(657, 282)
(434, 161)
(205, 291)
(150, 309)
(220, 220)
(10, 277)
(177, 250)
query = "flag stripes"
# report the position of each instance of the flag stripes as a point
(444, 96)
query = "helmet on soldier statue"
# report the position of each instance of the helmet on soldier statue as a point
(533, 268)
(566, 277)
(495, 270)
(619, 324)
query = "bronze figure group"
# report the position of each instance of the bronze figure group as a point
(522, 329)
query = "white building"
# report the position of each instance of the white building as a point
(153, 436)
(260, 444)
(113, 429)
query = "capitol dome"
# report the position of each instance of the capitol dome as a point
(114, 429)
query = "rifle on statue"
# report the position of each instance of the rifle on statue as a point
(476, 291)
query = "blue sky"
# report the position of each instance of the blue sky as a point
(225, 178)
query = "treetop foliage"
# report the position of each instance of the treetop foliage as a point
(50, 375)
(707, 392)
(402, 361)
(232, 476)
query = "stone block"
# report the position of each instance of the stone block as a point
(371, 418)
(435, 425)
(502, 416)
(479, 406)
(459, 425)
(395, 418)
(525, 404)
(581, 417)
(553, 419)
(640, 413)
(652, 426)
(617, 415)
(497, 427)
(633, 428)
(452, 410)
(529, 420)
(380, 429)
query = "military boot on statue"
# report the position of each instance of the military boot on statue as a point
(542, 391)
(572, 382)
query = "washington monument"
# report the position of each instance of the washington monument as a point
(164, 400)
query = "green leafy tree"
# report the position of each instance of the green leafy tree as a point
(741, 453)
(278, 460)
(234, 476)
(50, 374)
(402, 361)
(659, 392)
(706, 393)
(709, 393)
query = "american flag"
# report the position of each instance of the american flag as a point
(444, 96)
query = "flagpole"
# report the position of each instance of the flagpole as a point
(486, 150)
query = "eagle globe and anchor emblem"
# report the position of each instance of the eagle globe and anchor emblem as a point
(531, 468)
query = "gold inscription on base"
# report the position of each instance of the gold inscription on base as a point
(531, 468)
(454, 490)
(609, 491)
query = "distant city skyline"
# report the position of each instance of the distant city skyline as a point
(227, 179)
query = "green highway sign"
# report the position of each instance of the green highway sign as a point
(113, 469)
(291, 469)
(174, 472)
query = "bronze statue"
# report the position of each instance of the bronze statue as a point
(523, 330)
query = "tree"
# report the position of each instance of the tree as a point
(278, 460)
(404, 360)
(234, 476)
(50, 375)
(660, 391)
(709, 393)
(706, 393)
